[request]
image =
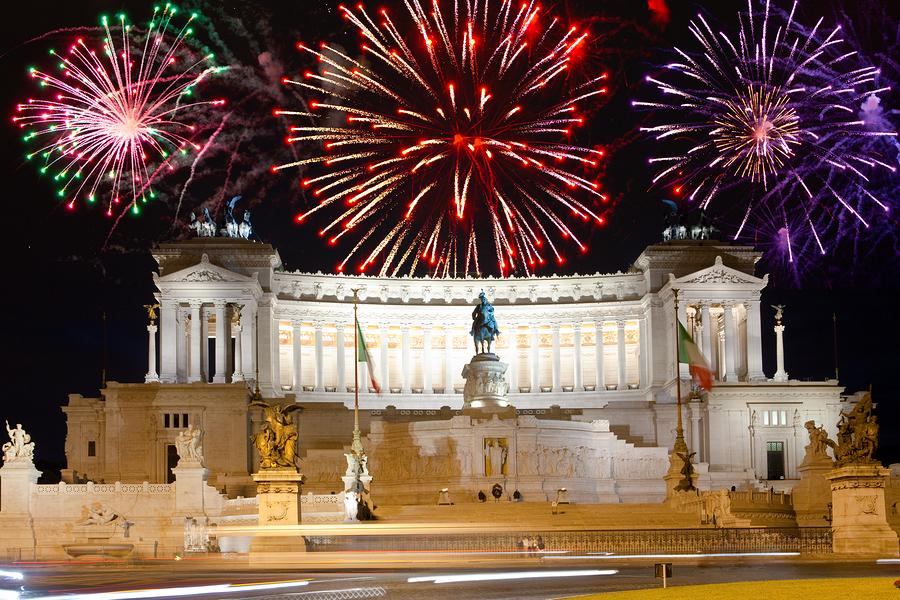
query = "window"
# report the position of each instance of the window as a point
(175, 420)
(774, 418)
(184, 419)
(171, 462)
(765, 417)
(782, 414)
(92, 448)
(775, 460)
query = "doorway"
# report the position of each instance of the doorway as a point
(171, 462)
(775, 460)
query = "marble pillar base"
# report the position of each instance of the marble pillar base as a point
(486, 387)
(278, 491)
(812, 495)
(859, 522)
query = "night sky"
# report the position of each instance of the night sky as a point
(62, 270)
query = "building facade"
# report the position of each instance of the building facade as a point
(579, 348)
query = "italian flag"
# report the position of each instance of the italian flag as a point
(363, 356)
(690, 354)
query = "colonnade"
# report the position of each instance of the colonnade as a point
(728, 334)
(190, 324)
(403, 353)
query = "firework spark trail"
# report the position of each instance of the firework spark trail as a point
(197, 158)
(464, 124)
(112, 115)
(773, 113)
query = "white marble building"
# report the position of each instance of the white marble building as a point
(582, 348)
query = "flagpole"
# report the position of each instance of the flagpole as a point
(680, 444)
(356, 446)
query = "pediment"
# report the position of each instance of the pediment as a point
(205, 272)
(720, 274)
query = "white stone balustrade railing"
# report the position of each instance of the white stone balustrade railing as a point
(83, 489)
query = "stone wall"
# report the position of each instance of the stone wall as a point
(413, 461)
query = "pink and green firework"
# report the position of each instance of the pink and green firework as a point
(111, 121)
(448, 141)
(773, 116)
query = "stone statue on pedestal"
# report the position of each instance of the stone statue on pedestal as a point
(188, 445)
(857, 435)
(484, 326)
(779, 313)
(817, 450)
(276, 441)
(19, 446)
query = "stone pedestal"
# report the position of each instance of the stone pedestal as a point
(278, 491)
(190, 482)
(486, 387)
(859, 522)
(361, 485)
(16, 479)
(812, 495)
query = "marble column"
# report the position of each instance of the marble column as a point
(620, 341)
(181, 338)
(340, 358)
(238, 374)
(385, 366)
(555, 356)
(535, 360)
(297, 357)
(405, 363)
(427, 387)
(512, 374)
(578, 383)
(320, 359)
(644, 358)
(730, 343)
(754, 343)
(152, 376)
(683, 368)
(448, 359)
(168, 344)
(248, 331)
(780, 374)
(708, 335)
(204, 344)
(598, 355)
(267, 346)
(695, 430)
(196, 373)
(221, 351)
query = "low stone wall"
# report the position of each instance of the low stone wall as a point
(143, 520)
(808, 541)
(537, 457)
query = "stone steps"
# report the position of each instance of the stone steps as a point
(540, 515)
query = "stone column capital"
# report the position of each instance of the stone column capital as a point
(620, 323)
